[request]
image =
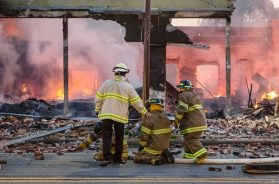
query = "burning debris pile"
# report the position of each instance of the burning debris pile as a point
(35, 107)
(38, 108)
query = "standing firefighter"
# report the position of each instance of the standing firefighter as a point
(155, 136)
(95, 135)
(112, 102)
(192, 120)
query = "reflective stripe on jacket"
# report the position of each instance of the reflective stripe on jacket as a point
(155, 133)
(113, 98)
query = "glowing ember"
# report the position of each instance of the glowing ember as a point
(24, 88)
(257, 105)
(60, 94)
(218, 95)
(87, 92)
(270, 95)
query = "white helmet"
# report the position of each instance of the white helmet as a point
(121, 67)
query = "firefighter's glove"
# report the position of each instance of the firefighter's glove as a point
(148, 115)
(140, 148)
(176, 123)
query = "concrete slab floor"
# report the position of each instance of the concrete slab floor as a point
(81, 168)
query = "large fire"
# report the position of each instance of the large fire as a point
(271, 95)
(82, 84)
(41, 81)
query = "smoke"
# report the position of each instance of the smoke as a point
(101, 45)
(31, 57)
(253, 13)
(254, 49)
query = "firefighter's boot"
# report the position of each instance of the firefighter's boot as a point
(168, 156)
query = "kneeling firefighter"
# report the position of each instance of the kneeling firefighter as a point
(155, 136)
(191, 117)
(95, 135)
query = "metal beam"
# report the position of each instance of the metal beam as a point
(65, 68)
(36, 135)
(86, 8)
(228, 65)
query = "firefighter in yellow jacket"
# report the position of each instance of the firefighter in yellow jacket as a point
(112, 102)
(191, 117)
(155, 136)
(95, 135)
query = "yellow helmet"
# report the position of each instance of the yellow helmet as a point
(157, 101)
(121, 67)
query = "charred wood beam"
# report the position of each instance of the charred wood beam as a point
(22, 115)
(193, 8)
(228, 65)
(146, 65)
(158, 70)
(65, 66)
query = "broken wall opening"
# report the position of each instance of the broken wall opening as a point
(208, 49)
(208, 77)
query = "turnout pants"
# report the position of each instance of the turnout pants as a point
(107, 137)
(193, 146)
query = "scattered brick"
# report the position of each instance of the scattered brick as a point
(211, 152)
(216, 169)
(230, 167)
(3, 161)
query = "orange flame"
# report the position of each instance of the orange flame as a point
(271, 95)
(60, 94)
(24, 88)
(257, 105)
(218, 95)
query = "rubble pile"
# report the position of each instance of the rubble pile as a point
(12, 128)
(254, 150)
(236, 127)
(243, 127)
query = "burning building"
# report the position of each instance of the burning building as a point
(254, 53)
(31, 57)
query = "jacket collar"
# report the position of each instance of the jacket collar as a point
(119, 78)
